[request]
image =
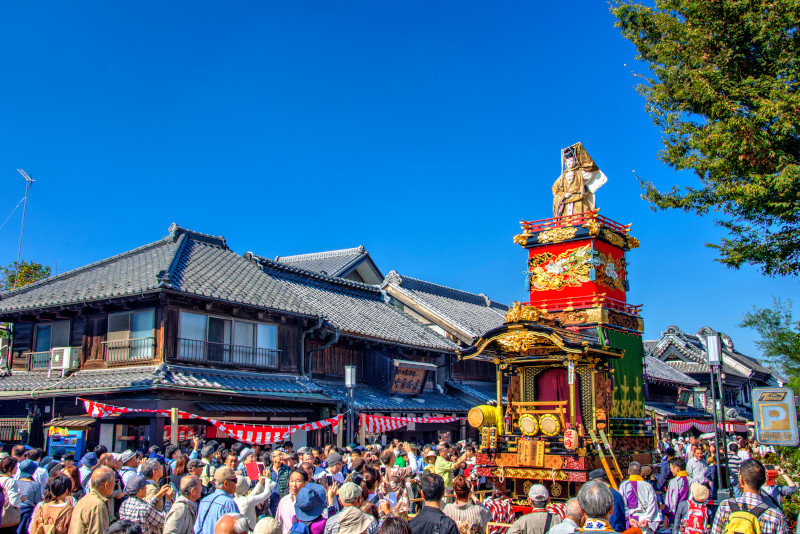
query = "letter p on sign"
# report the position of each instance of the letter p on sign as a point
(775, 416)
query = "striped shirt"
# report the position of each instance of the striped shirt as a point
(470, 513)
(771, 521)
(734, 462)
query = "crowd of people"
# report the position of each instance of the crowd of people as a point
(401, 488)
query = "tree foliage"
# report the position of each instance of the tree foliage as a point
(29, 272)
(722, 88)
(780, 336)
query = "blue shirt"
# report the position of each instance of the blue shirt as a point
(211, 508)
(617, 519)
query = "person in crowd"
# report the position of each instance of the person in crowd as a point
(90, 515)
(397, 478)
(734, 461)
(573, 519)
(395, 525)
(539, 520)
(129, 467)
(247, 456)
(333, 469)
(232, 523)
(309, 458)
(13, 498)
(678, 489)
(752, 477)
(152, 471)
(431, 520)
(41, 475)
(776, 492)
(372, 481)
(445, 467)
(183, 513)
(691, 517)
(285, 514)
(88, 465)
(124, 527)
(207, 453)
(56, 510)
(430, 460)
(142, 512)
(219, 503)
(247, 500)
(617, 518)
(641, 507)
(31, 492)
(597, 503)
(351, 520)
(312, 500)
(744, 450)
(696, 467)
(267, 525)
(195, 467)
(467, 511)
(179, 470)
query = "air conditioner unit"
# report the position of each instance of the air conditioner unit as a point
(65, 359)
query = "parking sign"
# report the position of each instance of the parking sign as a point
(775, 416)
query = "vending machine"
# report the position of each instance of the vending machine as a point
(72, 441)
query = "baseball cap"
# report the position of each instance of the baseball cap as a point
(349, 492)
(699, 492)
(596, 474)
(224, 473)
(89, 460)
(134, 484)
(333, 459)
(194, 464)
(538, 493)
(126, 456)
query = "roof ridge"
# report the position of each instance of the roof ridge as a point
(398, 279)
(299, 271)
(321, 255)
(175, 232)
(68, 274)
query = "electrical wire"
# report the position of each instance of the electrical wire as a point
(12, 212)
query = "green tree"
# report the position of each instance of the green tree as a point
(780, 336)
(722, 88)
(29, 272)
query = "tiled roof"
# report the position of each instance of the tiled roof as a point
(355, 308)
(184, 261)
(367, 398)
(669, 410)
(164, 376)
(484, 392)
(333, 262)
(659, 370)
(701, 368)
(472, 313)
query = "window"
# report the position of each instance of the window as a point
(130, 336)
(51, 335)
(206, 338)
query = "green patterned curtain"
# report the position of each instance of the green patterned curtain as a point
(628, 375)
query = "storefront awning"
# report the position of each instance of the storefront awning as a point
(72, 422)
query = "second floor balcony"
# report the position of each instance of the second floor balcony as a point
(129, 351)
(226, 354)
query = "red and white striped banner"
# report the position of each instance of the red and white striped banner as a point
(680, 427)
(376, 424)
(252, 434)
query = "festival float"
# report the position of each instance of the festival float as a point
(570, 387)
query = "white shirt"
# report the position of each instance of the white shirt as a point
(337, 477)
(647, 507)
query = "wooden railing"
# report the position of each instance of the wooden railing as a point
(226, 354)
(579, 219)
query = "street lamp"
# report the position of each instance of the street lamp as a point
(714, 350)
(350, 384)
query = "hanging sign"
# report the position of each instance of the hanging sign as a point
(775, 416)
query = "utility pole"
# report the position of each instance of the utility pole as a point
(28, 183)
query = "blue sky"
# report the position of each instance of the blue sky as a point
(423, 130)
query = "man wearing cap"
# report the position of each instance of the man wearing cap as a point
(617, 519)
(40, 475)
(90, 515)
(139, 511)
(334, 465)
(129, 465)
(217, 504)
(351, 520)
(539, 520)
(182, 514)
(246, 456)
(641, 508)
(88, 465)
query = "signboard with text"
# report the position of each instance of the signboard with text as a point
(775, 416)
(408, 381)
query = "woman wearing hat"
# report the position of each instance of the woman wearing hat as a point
(247, 503)
(31, 492)
(13, 497)
(310, 505)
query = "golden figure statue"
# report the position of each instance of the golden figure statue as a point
(573, 191)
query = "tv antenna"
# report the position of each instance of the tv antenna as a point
(28, 184)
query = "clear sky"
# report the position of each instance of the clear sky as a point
(423, 130)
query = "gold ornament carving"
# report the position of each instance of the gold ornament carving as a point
(521, 312)
(557, 235)
(633, 242)
(539, 259)
(522, 239)
(610, 272)
(521, 341)
(568, 269)
(593, 226)
(614, 238)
